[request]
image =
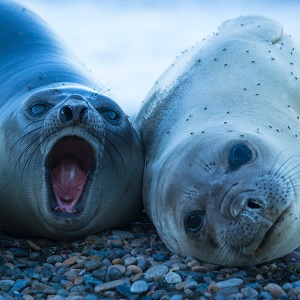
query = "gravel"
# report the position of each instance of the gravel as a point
(132, 263)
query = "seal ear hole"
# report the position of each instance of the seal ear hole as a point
(239, 155)
(194, 221)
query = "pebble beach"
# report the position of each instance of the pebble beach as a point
(133, 263)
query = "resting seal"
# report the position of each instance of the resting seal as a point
(71, 160)
(221, 131)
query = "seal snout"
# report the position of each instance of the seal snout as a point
(74, 111)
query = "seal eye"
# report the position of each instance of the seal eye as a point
(38, 109)
(239, 155)
(194, 221)
(110, 115)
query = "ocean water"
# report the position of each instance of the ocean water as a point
(127, 44)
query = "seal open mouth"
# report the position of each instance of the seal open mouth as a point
(70, 163)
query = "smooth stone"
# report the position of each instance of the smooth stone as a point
(6, 284)
(90, 297)
(123, 234)
(172, 277)
(199, 269)
(113, 273)
(38, 286)
(108, 285)
(125, 291)
(249, 292)
(35, 256)
(117, 261)
(287, 286)
(19, 285)
(265, 295)
(229, 283)
(159, 294)
(91, 281)
(127, 273)
(179, 286)
(191, 274)
(91, 265)
(160, 257)
(77, 288)
(18, 252)
(275, 290)
(46, 273)
(156, 272)
(121, 268)
(139, 286)
(70, 260)
(71, 275)
(49, 291)
(100, 274)
(53, 259)
(78, 280)
(137, 277)
(117, 243)
(106, 263)
(134, 269)
(130, 261)
(176, 297)
(94, 239)
(228, 291)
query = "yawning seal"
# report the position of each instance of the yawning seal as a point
(222, 137)
(71, 160)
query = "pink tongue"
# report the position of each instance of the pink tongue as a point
(68, 181)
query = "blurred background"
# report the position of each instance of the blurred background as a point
(127, 44)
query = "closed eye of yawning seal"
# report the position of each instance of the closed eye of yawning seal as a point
(70, 163)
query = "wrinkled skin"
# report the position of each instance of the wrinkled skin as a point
(71, 160)
(221, 131)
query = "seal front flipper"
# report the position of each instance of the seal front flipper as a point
(70, 157)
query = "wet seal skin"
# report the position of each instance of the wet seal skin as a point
(221, 132)
(71, 161)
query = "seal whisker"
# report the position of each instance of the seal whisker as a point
(292, 177)
(286, 166)
(20, 140)
(111, 158)
(32, 123)
(100, 91)
(275, 161)
(117, 151)
(206, 165)
(37, 147)
(120, 137)
(52, 87)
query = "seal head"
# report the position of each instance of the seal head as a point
(71, 160)
(221, 132)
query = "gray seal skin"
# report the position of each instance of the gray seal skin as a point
(221, 132)
(71, 160)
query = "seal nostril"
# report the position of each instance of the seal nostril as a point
(66, 114)
(253, 204)
(83, 115)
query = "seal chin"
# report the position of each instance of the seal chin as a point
(70, 166)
